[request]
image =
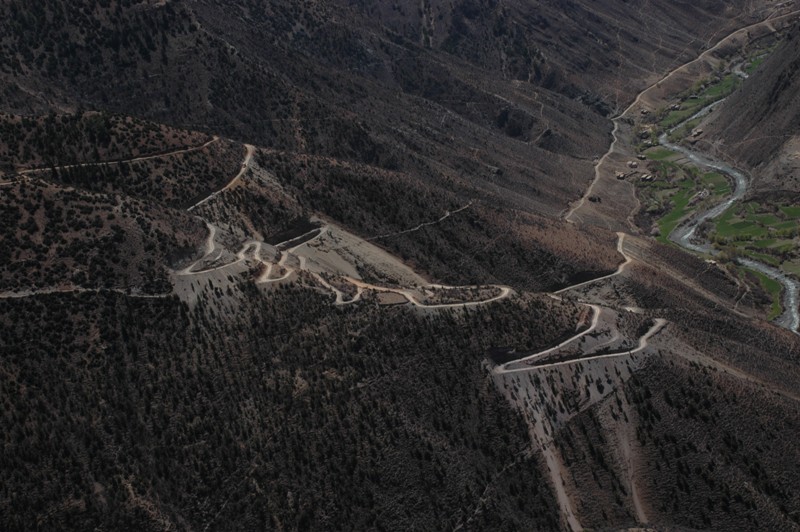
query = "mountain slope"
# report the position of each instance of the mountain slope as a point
(757, 127)
(295, 268)
(356, 83)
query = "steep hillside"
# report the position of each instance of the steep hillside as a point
(680, 433)
(62, 238)
(390, 87)
(307, 266)
(757, 127)
(159, 417)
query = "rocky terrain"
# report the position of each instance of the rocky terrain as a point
(351, 265)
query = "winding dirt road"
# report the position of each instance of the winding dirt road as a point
(571, 212)
(643, 344)
(741, 31)
(79, 290)
(250, 150)
(361, 286)
(596, 310)
(212, 231)
(503, 368)
(29, 171)
(571, 215)
(619, 270)
(505, 291)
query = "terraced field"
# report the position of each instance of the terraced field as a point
(704, 93)
(672, 190)
(677, 189)
(762, 231)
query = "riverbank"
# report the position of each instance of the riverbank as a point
(687, 232)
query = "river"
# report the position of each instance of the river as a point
(685, 235)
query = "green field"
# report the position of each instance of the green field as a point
(719, 90)
(659, 154)
(754, 64)
(680, 202)
(766, 219)
(790, 225)
(773, 288)
(689, 108)
(674, 186)
(792, 267)
(766, 259)
(716, 183)
(793, 212)
(761, 232)
(764, 232)
(756, 60)
(695, 101)
(684, 130)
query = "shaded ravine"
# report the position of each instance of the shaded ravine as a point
(685, 235)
